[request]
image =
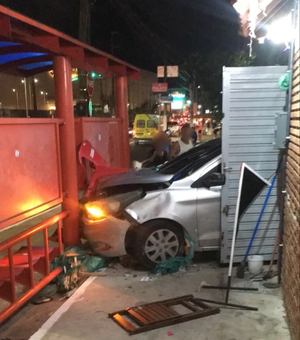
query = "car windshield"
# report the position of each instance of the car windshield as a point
(191, 160)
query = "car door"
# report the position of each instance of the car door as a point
(209, 209)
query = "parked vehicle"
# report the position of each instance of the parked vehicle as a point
(130, 131)
(145, 128)
(146, 212)
(174, 127)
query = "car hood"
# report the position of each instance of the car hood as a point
(135, 176)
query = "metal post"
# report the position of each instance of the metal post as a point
(34, 95)
(113, 78)
(64, 109)
(165, 118)
(26, 98)
(17, 96)
(30, 96)
(122, 113)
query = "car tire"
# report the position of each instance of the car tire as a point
(157, 241)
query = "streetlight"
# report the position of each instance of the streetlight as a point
(17, 97)
(44, 94)
(24, 81)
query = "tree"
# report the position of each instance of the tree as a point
(208, 72)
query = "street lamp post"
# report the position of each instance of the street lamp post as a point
(43, 93)
(17, 97)
(25, 94)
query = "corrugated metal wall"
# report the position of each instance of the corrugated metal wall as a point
(251, 100)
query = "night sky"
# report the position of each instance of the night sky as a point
(147, 30)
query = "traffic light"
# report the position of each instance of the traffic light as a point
(95, 75)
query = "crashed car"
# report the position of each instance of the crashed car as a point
(147, 212)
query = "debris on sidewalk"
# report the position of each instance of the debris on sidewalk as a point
(128, 261)
(146, 279)
(161, 314)
(45, 295)
(77, 262)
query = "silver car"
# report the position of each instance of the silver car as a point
(148, 214)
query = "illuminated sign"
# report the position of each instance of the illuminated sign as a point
(74, 74)
(178, 100)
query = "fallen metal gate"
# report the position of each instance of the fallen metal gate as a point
(161, 314)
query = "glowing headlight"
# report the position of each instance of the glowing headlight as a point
(94, 212)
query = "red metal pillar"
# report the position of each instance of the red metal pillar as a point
(122, 113)
(64, 109)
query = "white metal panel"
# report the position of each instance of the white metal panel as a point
(251, 99)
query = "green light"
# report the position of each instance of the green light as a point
(74, 79)
(99, 75)
(93, 74)
(217, 111)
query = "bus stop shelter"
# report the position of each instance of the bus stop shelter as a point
(38, 155)
(27, 48)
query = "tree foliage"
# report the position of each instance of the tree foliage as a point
(207, 69)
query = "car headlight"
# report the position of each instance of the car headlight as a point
(99, 210)
(94, 212)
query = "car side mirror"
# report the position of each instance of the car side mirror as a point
(215, 180)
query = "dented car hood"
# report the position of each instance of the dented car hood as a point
(135, 176)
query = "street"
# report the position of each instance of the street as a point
(140, 152)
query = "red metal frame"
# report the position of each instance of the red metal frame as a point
(18, 28)
(8, 245)
(100, 167)
(122, 114)
(64, 109)
(7, 122)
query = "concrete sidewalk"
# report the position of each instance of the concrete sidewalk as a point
(84, 315)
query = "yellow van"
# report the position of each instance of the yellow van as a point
(145, 127)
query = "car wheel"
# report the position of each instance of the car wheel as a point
(157, 241)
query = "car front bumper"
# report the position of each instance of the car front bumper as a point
(106, 237)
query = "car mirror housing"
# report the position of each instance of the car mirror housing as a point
(215, 180)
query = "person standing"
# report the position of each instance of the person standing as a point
(200, 130)
(184, 144)
(194, 137)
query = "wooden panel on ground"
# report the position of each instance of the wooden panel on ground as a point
(161, 314)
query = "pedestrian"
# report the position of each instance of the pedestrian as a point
(184, 144)
(200, 130)
(159, 152)
(194, 137)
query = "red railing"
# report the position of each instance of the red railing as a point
(24, 272)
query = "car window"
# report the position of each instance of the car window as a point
(140, 124)
(192, 159)
(203, 159)
(199, 183)
(151, 124)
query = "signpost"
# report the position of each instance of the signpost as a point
(90, 91)
(90, 84)
(166, 99)
(172, 71)
(167, 72)
(159, 87)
